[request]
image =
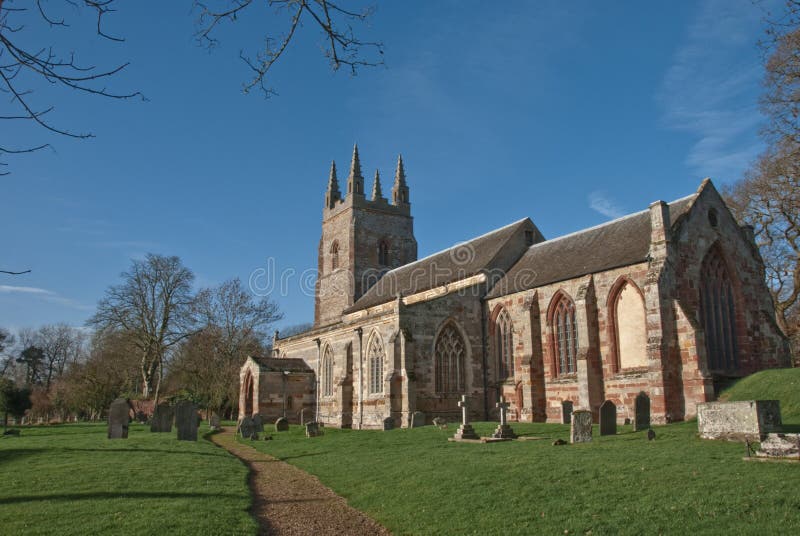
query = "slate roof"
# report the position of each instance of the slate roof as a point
(620, 242)
(280, 364)
(453, 264)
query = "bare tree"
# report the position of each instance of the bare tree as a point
(61, 345)
(154, 306)
(341, 45)
(24, 66)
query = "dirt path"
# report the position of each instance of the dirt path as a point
(287, 500)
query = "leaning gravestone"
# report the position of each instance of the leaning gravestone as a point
(566, 412)
(246, 428)
(313, 429)
(388, 424)
(282, 425)
(641, 412)
(118, 419)
(417, 419)
(581, 427)
(162, 418)
(258, 422)
(186, 420)
(608, 418)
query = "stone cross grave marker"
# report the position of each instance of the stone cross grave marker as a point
(580, 430)
(503, 431)
(186, 420)
(465, 431)
(162, 418)
(118, 419)
(641, 412)
(608, 418)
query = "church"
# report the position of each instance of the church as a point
(669, 302)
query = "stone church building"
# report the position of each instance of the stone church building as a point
(669, 301)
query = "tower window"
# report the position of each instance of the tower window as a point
(383, 253)
(335, 255)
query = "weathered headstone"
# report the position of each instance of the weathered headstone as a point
(313, 429)
(566, 412)
(608, 418)
(186, 420)
(118, 419)
(417, 419)
(581, 426)
(281, 425)
(503, 431)
(641, 412)
(161, 421)
(388, 423)
(246, 428)
(465, 431)
(258, 423)
(215, 424)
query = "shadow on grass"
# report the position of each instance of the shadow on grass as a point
(307, 455)
(114, 495)
(10, 455)
(791, 428)
(134, 450)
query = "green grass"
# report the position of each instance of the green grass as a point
(777, 384)
(71, 479)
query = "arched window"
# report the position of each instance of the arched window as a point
(450, 356)
(375, 360)
(383, 253)
(334, 255)
(327, 372)
(630, 327)
(718, 313)
(565, 335)
(504, 345)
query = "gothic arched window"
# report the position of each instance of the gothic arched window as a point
(630, 327)
(375, 361)
(327, 372)
(565, 335)
(334, 255)
(450, 356)
(383, 253)
(718, 313)
(504, 345)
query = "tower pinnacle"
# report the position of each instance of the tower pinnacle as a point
(376, 187)
(355, 181)
(332, 195)
(400, 188)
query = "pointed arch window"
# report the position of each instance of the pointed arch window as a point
(334, 255)
(383, 253)
(327, 372)
(630, 327)
(565, 335)
(450, 357)
(375, 357)
(718, 313)
(504, 345)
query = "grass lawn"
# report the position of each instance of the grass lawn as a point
(778, 384)
(71, 479)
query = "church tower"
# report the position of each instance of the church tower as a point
(361, 240)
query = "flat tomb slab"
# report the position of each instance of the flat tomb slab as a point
(737, 421)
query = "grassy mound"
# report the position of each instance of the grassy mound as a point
(71, 479)
(777, 384)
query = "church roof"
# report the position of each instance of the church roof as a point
(620, 242)
(281, 364)
(459, 262)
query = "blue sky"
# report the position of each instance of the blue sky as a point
(570, 113)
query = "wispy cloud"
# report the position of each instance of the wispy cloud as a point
(44, 294)
(711, 88)
(599, 202)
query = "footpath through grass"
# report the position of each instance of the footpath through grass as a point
(71, 479)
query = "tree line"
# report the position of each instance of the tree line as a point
(152, 336)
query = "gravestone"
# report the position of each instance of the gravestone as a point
(440, 422)
(566, 412)
(186, 420)
(246, 428)
(162, 418)
(313, 429)
(118, 419)
(608, 418)
(215, 424)
(281, 425)
(465, 431)
(780, 446)
(388, 424)
(303, 417)
(258, 423)
(738, 421)
(641, 412)
(503, 431)
(417, 419)
(580, 430)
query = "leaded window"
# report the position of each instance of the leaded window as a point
(718, 313)
(335, 255)
(383, 253)
(327, 372)
(504, 345)
(375, 359)
(450, 356)
(565, 331)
